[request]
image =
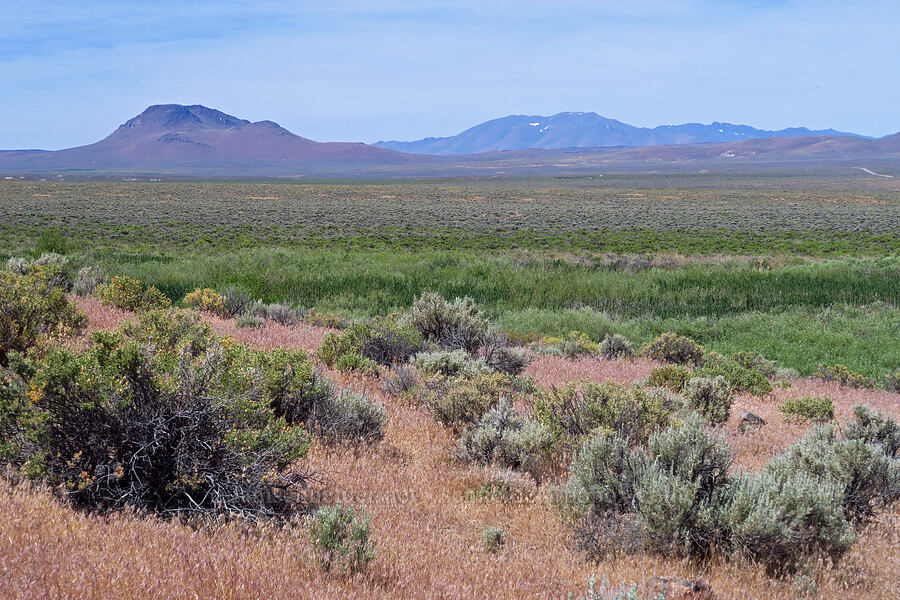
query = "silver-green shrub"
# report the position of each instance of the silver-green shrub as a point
(341, 538)
(349, 417)
(506, 438)
(616, 347)
(87, 280)
(450, 363)
(709, 396)
(459, 324)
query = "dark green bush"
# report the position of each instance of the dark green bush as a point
(382, 341)
(749, 360)
(458, 402)
(711, 397)
(672, 377)
(450, 363)
(341, 538)
(740, 379)
(172, 429)
(844, 376)
(580, 407)
(33, 308)
(673, 348)
(808, 408)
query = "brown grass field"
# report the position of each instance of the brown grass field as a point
(428, 534)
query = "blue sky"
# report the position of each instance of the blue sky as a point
(71, 71)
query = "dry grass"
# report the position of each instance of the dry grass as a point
(428, 534)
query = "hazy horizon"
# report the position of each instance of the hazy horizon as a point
(408, 70)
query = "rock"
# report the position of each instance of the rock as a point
(750, 421)
(678, 588)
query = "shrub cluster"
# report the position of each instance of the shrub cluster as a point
(207, 300)
(844, 376)
(55, 265)
(364, 345)
(673, 348)
(460, 401)
(672, 377)
(808, 408)
(892, 381)
(34, 307)
(88, 280)
(740, 378)
(710, 397)
(459, 324)
(506, 438)
(171, 419)
(676, 493)
(615, 347)
(130, 294)
(581, 407)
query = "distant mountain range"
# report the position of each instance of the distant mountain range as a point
(585, 130)
(196, 140)
(176, 135)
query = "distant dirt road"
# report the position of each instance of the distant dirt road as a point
(871, 172)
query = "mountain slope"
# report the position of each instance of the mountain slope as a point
(196, 136)
(583, 130)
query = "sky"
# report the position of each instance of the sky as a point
(348, 70)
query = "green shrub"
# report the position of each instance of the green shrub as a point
(892, 381)
(206, 299)
(749, 360)
(341, 538)
(781, 518)
(382, 341)
(130, 294)
(33, 308)
(499, 356)
(579, 344)
(505, 438)
(874, 428)
(463, 400)
(844, 376)
(52, 241)
(349, 417)
(682, 493)
(18, 265)
(493, 539)
(711, 397)
(867, 478)
(580, 407)
(615, 347)
(673, 348)
(450, 363)
(602, 476)
(356, 362)
(459, 324)
(740, 379)
(808, 408)
(88, 280)
(672, 377)
(247, 320)
(173, 429)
